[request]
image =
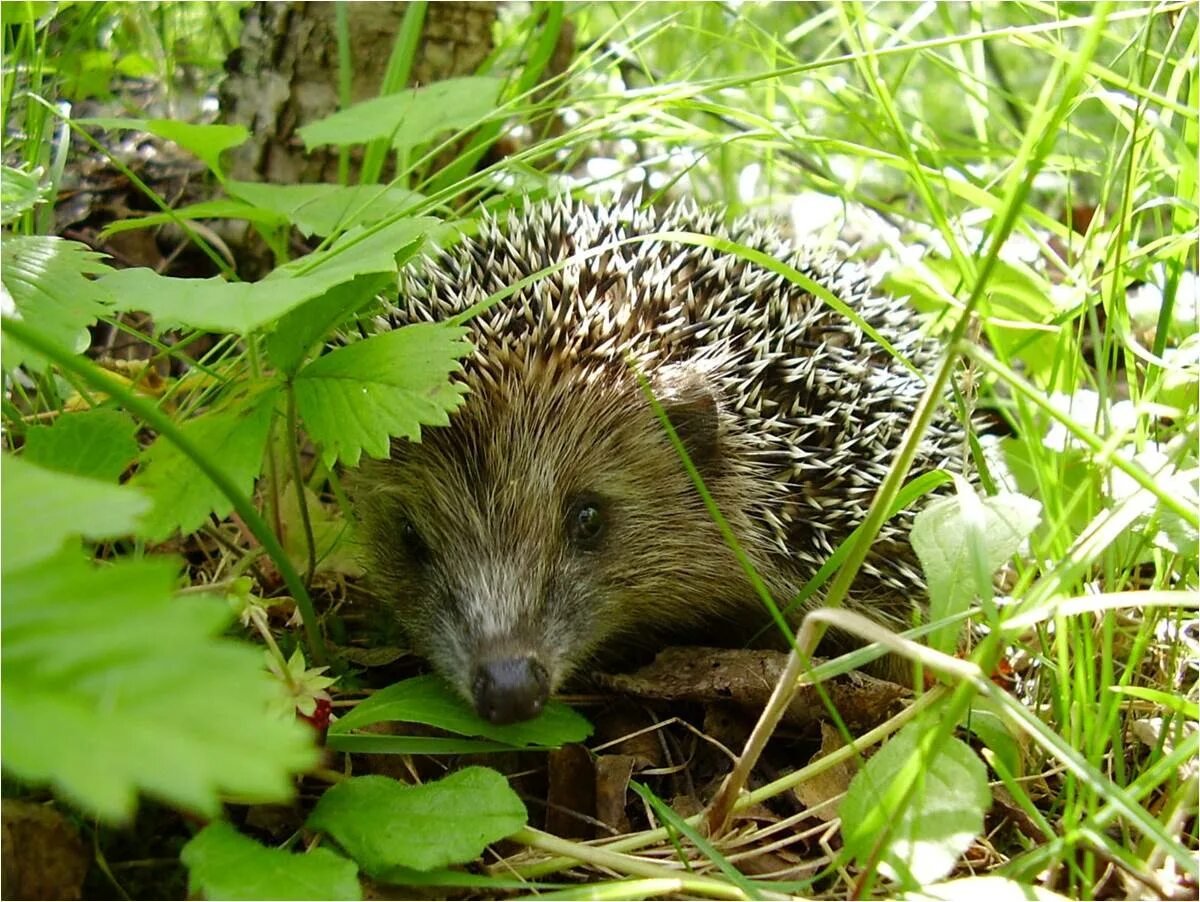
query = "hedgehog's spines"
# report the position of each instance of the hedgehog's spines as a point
(817, 406)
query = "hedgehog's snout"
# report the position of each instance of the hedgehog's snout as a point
(510, 689)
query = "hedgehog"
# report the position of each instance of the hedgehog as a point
(553, 518)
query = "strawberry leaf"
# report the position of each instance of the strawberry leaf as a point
(41, 509)
(224, 864)
(46, 280)
(358, 397)
(322, 209)
(383, 823)
(409, 117)
(96, 443)
(112, 686)
(183, 496)
(207, 142)
(241, 307)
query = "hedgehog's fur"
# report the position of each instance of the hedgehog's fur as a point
(790, 412)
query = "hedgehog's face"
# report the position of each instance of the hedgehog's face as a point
(545, 520)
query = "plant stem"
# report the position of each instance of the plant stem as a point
(629, 864)
(293, 445)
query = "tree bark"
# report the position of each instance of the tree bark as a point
(285, 73)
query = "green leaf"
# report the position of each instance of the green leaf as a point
(336, 552)
(943, 815)
(224, 864)
(219, 306)
(1181, 375)
(136, 65)
(19, 191)
(112, 686)
(1018, 305)
(363, 250)
(47, 280)
(986, 722)
(945, 539)
(40, 509)
(322, 209)
(356, 398)
(1169, 700)
(377, 744)
(87, 73)
(222, 208)
(96, 443)
(411, 117)
(235, 437)
(28, 13)
(1164, 527)
(207, 142)
(384, 824)
(206, 304)
(1073, 474)
(300, 332)
(317, 209)
(428, 700)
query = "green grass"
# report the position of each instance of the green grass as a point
(1025, 172)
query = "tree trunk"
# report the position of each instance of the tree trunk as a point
(285, 73)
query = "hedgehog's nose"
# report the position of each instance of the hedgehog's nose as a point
(510, 689)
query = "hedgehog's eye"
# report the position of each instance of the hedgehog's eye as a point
(413, 544)
(585, 522)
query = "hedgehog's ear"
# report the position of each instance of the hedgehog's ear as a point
(690, 400)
